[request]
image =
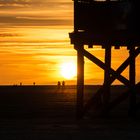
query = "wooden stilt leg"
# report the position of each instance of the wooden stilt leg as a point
(132, 105)
(106, 92)
(80, 83)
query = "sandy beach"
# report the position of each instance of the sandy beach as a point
(45, 112)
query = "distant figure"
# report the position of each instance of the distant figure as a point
(59, 84)
(20, 83)
(34, 83)
(63, 84)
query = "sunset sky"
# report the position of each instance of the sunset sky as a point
(34, 43)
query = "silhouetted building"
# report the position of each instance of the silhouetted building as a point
(106, 17)
(107, 23)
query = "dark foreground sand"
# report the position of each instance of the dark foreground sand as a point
(46, 113)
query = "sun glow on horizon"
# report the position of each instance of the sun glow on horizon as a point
(68, 70)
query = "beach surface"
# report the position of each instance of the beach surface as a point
(46, 112)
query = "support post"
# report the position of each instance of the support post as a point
(80, 82)
(132, 74)
(107, 83)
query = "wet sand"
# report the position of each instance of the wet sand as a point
(45, 112)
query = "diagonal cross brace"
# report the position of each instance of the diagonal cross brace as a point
(113, 77)
(124, 65)
(122, 97)
(102, 65)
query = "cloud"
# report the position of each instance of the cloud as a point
(37, 3)
(35, 12)
(26, 21)
(8, 35)
(14, 3)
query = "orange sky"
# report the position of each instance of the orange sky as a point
(34, 42)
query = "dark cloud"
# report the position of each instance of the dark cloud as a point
(35, 13)
(38, 3)
(8, 35)
(14, 1)
(19, 21)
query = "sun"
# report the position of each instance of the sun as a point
(68, 70)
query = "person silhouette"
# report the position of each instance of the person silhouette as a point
(63, 84)
(59, 84)
(34, 83)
